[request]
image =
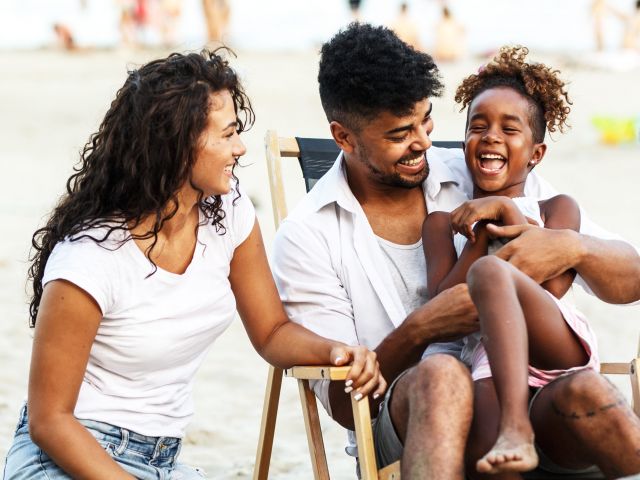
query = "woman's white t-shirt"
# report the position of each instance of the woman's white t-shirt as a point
(156, 329)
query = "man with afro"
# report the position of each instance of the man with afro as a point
(349, 263)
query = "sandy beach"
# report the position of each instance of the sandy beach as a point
(52, 101)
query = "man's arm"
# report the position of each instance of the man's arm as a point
(610, 268)
(606, 264)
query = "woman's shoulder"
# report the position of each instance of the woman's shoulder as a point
(238, 217)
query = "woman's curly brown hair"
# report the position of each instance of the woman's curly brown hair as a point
(540, 84)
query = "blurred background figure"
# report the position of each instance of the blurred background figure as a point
(631, 39)
(128, 22)
(354, 6)
(216, 14)
(450, 41)
(599, 10)
(64, 37)
(406, 27)
(170, 11)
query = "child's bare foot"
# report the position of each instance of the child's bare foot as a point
(512, 452)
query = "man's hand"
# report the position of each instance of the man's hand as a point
(541, 253)
(450, 315)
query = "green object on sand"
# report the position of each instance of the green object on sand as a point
(615, 130)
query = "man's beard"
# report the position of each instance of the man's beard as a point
(395, 179)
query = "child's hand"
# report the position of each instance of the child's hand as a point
(466, 215)
(364, 377)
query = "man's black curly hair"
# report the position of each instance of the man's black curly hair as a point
(365, 70)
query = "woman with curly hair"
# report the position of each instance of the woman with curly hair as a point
(139, 269)
(528, 336)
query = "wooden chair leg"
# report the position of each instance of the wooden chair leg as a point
(364, 438)
(635, 385)
(314, 433)
(268, 424)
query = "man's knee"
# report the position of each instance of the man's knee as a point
(584, 388)
(442, 372)
(484, 272)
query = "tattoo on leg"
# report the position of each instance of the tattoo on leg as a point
(589, 413)
(612, 405)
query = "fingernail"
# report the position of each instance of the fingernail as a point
(348, 383)
(376, 395)
(357, 396)
(348, 389)
(338, 359)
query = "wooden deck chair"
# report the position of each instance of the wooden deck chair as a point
(316, 157)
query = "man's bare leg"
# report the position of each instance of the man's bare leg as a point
(582, 419)
(431, 407)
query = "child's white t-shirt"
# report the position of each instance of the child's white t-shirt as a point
(155, 330)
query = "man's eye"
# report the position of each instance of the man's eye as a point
(398, 139)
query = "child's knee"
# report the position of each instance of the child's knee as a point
(485, 272)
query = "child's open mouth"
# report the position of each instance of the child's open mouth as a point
(492, 163)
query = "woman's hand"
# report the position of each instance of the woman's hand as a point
(364, 376)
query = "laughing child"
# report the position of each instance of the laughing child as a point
(528, 336)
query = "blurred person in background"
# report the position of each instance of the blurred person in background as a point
(170, 12)
(406, 27)
(217, 14)
(450, 43)
(631, 40)
(354, 7)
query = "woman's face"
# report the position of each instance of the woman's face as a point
(219, 147)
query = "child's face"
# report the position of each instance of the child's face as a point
(499, 146)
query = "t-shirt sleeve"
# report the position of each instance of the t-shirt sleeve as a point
(241, 214)
(86, 264)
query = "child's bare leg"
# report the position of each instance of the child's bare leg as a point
(484, 430)
(521, 324)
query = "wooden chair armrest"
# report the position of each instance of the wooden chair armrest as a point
(324, 372)
(615, 368)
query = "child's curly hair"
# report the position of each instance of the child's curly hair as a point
(538, 83)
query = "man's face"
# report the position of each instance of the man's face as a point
(393, 149)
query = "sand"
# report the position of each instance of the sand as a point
(52, 101)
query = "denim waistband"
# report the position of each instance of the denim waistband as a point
(160, 450)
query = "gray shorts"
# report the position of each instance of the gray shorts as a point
(389, 448)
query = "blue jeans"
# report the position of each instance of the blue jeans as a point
(143, 457)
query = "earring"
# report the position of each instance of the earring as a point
(532, 162)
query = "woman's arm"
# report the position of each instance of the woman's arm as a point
(66, 326)
(560, 212)
(280, 341)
